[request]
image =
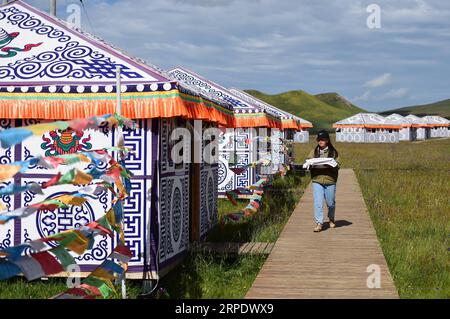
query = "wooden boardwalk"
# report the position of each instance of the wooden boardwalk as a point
(330, 264)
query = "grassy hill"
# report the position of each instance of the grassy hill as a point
(336, 100)
(322, 110)
(441, 108)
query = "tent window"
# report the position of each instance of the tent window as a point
(390, 131)
(338, 130)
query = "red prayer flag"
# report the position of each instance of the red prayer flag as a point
(94, 290)
(53, 181)
(48, 263)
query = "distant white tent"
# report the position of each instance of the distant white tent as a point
(439, 126)
(421, 125)
(407, 131)
(367, 128)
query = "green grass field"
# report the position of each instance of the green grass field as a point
(406, 189)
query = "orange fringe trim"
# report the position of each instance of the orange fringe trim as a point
(131, 108)
(54, 108)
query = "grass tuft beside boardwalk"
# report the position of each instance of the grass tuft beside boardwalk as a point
(212, 276)
(278, 202)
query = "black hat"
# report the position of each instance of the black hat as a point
(323, 134)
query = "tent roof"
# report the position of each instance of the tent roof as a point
(436, 120)
(38, 49)
(272, 110)
(399, 119)
(303, 122)
(261, 104)
(369, 120)
(415, 119)
(50, 69)
(247, 114)
(211, 88)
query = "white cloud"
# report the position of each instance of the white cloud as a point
(364, 97)
(395, 94)
(381, 80)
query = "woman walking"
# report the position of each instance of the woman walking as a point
(324, 178)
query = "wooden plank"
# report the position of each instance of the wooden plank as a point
(330, 264)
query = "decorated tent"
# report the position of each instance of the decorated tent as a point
(407, 132)
(50, 70)
(439, 126)
(423, 131)
(279, 137)
(239, 146)
(367, 128)
(298, 131)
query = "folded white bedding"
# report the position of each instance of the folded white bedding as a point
(320, 161)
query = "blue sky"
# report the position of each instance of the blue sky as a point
(279, 45)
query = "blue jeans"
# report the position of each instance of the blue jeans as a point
(320, 191)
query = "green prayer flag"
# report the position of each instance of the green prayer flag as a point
(102, 286)
(68, 177)
(68, 238)
(63, 256)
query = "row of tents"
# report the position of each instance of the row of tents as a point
(50, 70)
(374, 128)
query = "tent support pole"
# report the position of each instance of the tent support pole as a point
(119, 112)
(53, 8)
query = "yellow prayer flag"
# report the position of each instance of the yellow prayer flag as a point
(8, 171)
(110, 217)
(81, 178)
(40, 129)
(102, 274)
(71, 200)
(79, 244)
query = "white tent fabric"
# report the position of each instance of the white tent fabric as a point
(302, 136)
(422, 131)
(407, 132)
(367, 128)
(439, 126)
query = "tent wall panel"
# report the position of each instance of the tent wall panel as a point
(174, 197)
(405, 134)
(276, 152)
(136, 208)
(233, 141)
(208, 191)
(301, 136)
(208, 203)
(438, 132)
(421, 133)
